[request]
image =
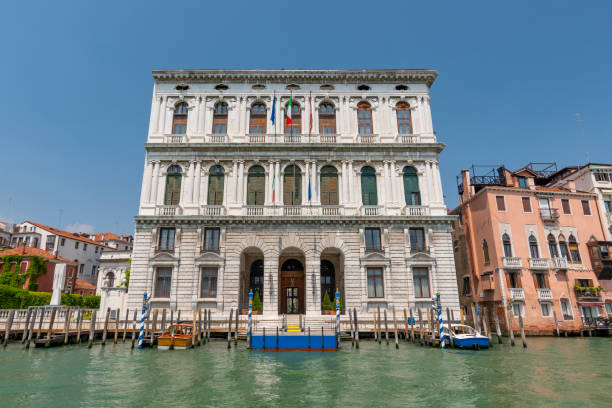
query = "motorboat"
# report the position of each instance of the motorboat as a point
(465, 336)
(177, 336)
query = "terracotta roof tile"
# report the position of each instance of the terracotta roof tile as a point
(84, 285)
(67, 234)
(29, 251)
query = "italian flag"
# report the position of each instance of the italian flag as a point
(273, 186)
(288, 120)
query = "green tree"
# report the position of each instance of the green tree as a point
(257, 302)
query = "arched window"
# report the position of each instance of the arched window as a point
(173, 185)
(292, 186)
(563, 247)
(257, 124)
(215, 185)
(329, 185)
(369, 195)
(534, 252)
(507, 245)
(327, 119)
(328, 279)
(295, 126)
(573, 249)
(404, 122)
(179, 121)
(485, 252)
(110, 277)
(257, 278)
(220, 119)
(411, 186)
(292, 265)
(552, 246)
(364, 118)
(256, 186)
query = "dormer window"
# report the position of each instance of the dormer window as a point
(363, 88)
(522, 182)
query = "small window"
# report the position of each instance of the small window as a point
(179, 121)
(63, 241)
(84, 247)
(96, 250)
(363, 88)
(50, 242)
(608, 308)
(501, 203)
(372, 238)
(573, 249)
(404, 122)
(211, 239)
(166, 239)
(81, 267)
(417, 239)
(522, 181)
(220, 119)
(421, 282)
(364, 118)
(566, 309)
(221, 87)
(526, 204)
(467, 287)
(257, 123)
(375, 283)
(565, 204)
(517, 309)
(162, 282)
(541, 281)
(586, 207)
(545, 309)
(533, 247)
(608, 206)
(552, 246)
(401, 87)
(181, 87)
(507, 244)
(76, 245)
(209, 283)
(485, 252)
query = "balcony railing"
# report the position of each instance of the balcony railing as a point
(407, 138)
(218, 138)
(560, 263)
(368, 139)
(587, 292)
(512, 262)
(416, 210)
(332, 210)
(179, 138)
(256, 138)
(609, 217)
(293, 138)
(213, 210)
(538, 263)
(549, 214)
(370, 210)
(545, 294)
(293, 210)
(517, 294)
(168, 210)
(329, 138)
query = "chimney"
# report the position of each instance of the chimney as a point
(467, 187)
(571, 185)
(55, 254)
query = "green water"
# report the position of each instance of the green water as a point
(574, 372)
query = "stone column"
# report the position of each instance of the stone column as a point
(316, 200)
(277, 198)
(305, 183)
(351, 179)
(155, 115)
(146, 184)
(393, 181)
(271, 284)
(162, 115)
(387, 178)
(344, 183)
(379, 186)
(438, 182)
(205, 187)
(235, 181)
(198, 180)
(241, 182)
(190, 182)
(155, 182)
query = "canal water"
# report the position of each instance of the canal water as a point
(565, 372)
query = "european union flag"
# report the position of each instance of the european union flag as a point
(273, 114)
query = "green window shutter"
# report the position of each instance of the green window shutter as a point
(292, 186)
(173, 189)
(256, 186)
(369, 195)
(411, 186)
(215, 189)
(329, 186)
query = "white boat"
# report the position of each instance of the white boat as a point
(466, 337)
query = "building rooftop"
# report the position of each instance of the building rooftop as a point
(29, 251)
(67, 234)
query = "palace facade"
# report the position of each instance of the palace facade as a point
(346, 196)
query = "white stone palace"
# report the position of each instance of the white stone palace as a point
(347, 196)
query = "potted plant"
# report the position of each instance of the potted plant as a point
(256, 303)
(327, 305)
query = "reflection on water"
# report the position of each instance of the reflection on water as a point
(574, 372)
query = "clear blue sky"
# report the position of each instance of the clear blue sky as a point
(76, 82)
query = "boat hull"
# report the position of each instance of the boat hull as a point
(178, 343)
(471, 341)
(288, 342)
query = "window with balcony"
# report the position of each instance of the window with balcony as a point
(420, 277)
(163, 281)
(372, 239)
(522, 182)
(364, 118)
(257, 121)
(369, 195)
(507, 244)
(329, 186)
(566, 309)
(404, 122)
(211, 239)
(179, 120)
(292, 186)
(501, 203)
(514, 280)
(327, 119)
(256, 186)
(517, 309)
(552, 246)
(534, 252)
(375, 283)
(485, 252)
(545, 306)
(563, 248)
(586, 207)
(573, 249)
(565, 204)
(220, 119)
(417, 239)
(166, 239)
(540, 280)
(208, 286)
(293, 124)
(216, 179)
(173, 185)
(526, 204)
(412, 195)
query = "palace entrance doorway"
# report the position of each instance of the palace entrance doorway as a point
(292, 287)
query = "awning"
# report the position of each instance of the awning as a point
(590, 303)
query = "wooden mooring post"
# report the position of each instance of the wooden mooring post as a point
(204, 328)
(236, 327)
(449, 324)
(497, 329)
(395, 328)
(67, 326)
(485, 324)
(7, 330)
(374, 324)
(27, 324)
(134, 327)
(199, 326)
(40, 323)
(510, 328)
(356, 328)
(105, 329)
(379, 320)
(92, 328)
(522, 330)
(229, 329)
(32, 324)
(194, 328)
(386, 328)
(351, 325)
(117, 317)
(79, 324)
(431, 326)
(125, 323)
(163, 321)
(209, 324)
(556, 323)
(50, 330)
(411, 326)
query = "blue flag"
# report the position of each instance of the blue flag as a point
(273, 114)
(309, 193)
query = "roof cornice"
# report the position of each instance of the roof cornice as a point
(319, 76)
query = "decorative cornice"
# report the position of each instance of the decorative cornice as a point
(314, 76)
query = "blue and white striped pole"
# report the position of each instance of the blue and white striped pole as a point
(440, 322)
(142, 320)
(337, 317)
(250, 318)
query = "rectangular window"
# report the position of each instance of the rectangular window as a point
(81, 269)
(601, 176)
(93, 270)
(96, 250)
(417, 239)
(209, 283)
(76, 245)
(84, 247)
(50, 242)
(375, 283)
(501, 203)
(372, 238)
(517, 309)
(608, 308)
(545, 309)
(526, 204)
(514, 281)
(211, 239)
(467, 288)
(522, 182)
(166, 239)
(420, 278)
(162, 282)
(566, 310)
(586, 207)
(566, 206)
(63, 241)
(608, 206)
(541, 281)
